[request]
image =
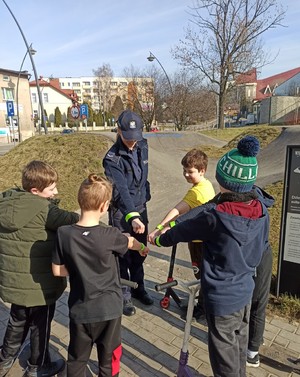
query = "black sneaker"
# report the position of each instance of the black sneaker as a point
(143, 297)
(128, 308)
(253, 362)
(198, 312)
(5, 366)
(47, 370)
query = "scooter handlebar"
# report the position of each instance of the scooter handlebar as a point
(169, 284)
(128, 283)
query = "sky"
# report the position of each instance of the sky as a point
(74, 37)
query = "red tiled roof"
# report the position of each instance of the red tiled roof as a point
(54, 83)
(248, 77)
(273, 82)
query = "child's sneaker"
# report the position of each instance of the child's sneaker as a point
(253, 361)
(197, 313)
(5, 366)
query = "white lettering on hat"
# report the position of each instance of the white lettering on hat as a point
(238, 172)
(132, 124)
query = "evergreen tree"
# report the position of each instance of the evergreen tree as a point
(57, 117)
(117, 107)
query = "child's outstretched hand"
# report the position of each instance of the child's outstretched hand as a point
(155, 233)
(144, 251)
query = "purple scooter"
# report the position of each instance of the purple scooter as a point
(191, 288)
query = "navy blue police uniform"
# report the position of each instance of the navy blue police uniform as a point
(128, 170)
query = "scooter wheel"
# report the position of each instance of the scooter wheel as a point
(165, 302)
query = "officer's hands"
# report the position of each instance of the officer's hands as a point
(138, 226)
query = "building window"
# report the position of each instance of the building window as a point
(45, 95)
(5, 78)
(76, 84)
(86, 83)
(7, 94)
(33, 96)
(62, 84)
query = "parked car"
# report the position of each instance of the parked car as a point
(67, 131)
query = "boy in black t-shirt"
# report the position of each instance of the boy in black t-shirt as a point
(88, 253)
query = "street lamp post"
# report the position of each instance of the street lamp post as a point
(34, 70)
(152, 57)
(31, 51)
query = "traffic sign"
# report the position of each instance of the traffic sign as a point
(75, 112)
(84, 111)
(10, 108)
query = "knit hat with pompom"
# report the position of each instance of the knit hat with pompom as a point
(237, 169)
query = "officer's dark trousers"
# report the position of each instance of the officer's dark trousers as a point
(260, 300)
(107, 337)
(37, 319)
(227, 343)
(131, 264)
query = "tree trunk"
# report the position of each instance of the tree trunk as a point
(221, 111)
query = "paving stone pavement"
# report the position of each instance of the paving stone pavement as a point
(152, 338)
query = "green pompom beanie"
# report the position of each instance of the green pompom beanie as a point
(237, 169)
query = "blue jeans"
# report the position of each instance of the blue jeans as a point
(260, 300)
(227, 343)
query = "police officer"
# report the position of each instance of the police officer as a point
(126, 165)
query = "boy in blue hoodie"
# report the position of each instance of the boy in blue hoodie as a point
(234, 228)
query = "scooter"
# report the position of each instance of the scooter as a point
(192, 289)
(165, 301)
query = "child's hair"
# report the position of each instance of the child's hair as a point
(195, 158)
(38, 174)
(93, 191)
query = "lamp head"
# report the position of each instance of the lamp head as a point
(151, 57)
(32, 51)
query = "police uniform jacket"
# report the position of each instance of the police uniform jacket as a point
(131, 189)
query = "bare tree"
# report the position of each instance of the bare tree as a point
(142, 92)
(227, 41)
(190, 101)
(104, 74)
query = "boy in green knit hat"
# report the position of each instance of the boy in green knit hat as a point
(234, 228)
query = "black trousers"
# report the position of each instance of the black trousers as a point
(131, 264)
(260, 300)
(37, 319)
(107, 337)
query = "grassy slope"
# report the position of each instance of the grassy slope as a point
(74, 156)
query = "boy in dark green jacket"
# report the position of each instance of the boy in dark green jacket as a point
(29, 218)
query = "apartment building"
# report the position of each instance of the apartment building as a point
(102, 94)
